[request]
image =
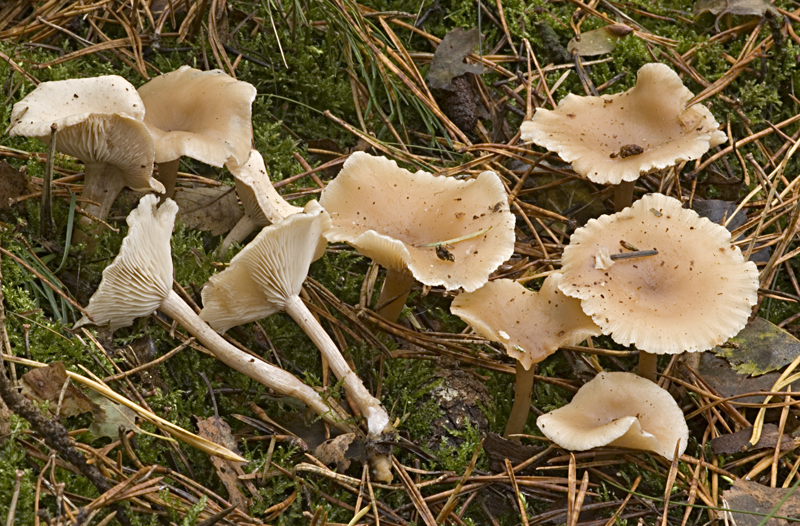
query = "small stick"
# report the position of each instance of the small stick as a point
(633, 255)
(47, 227)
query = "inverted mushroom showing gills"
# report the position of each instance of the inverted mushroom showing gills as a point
(619, 409)
(531, 325)
(439, 230)
(205, 115)
(616, 138)
(139, 282)
(694, 294)
(266, 277)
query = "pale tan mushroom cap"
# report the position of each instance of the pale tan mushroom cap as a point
(70, 102)
(695, 294)
(531, 325)
(618, 409)
(587, 131)
(140, 277)
(261, 201)
(387, 213)
(205, 115)
(267, 271)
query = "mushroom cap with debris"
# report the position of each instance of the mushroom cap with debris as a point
(532, 325)
(693, 295)
(618, 409)
(615, 138)
(402, 220)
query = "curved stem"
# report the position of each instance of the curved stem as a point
(648, 365)
(397, 285)
(168, 175)
(523, 389)
(377, 418)
(238, 233)
(265, 373)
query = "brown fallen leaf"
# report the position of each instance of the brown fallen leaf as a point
(759, 500)
(740, 441)
(498, 449)
(335, 451)
(733, 7)
(13, 183)
(448, 61)
(759, 348)
(45, 385)
(214, 209)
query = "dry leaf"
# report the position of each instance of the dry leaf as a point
(598, 41)
(448, 61)
(46, 383)
(13, 183)
(759, 348)
(110, 417)
(733, 7)
(740, 441)
(498, 449)
(214, 209)
(335, 451)
(759, 501)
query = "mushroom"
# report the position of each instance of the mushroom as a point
(613, 139)
(437, 230)
(205, 115)
(531, 325)
(99, 121)
(139, 282)
(266, 276)
(262, 203)
(692, 295)
(619, 409)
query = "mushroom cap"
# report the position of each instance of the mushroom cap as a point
(140, 277)
(596, 134)
(70, 102)
(531, 325)
(262, 203)
(266, 272)
(387, 213)
(695, 294)
(205, 115)
(618, 409)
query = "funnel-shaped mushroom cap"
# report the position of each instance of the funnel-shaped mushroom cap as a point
(616, 138)
(268, 271)
(140, 277)
(262, 203)
(618, 409)
(390, 214)
(205, 115)
(70, 102)
(531, 325)
(695, 294)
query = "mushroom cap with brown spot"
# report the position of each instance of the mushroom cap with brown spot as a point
(388, 213)
(618, 409)
(266, 272)
(262, 203)
(140, 277)
(591, 132)
(205, 115)
(695, 294)
(531, 325)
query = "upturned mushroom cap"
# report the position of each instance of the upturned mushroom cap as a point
(695, 294)
(389, 214)
(531, 325)
(262, 203)
(250, 289)
(615, 138)
(140, 277)
(618, 409)
(205, 115)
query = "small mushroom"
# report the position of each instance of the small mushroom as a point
(437, 230)
(692, 294)
(531, 325)
(619, 409)
(139, 282)
(262, 203)
(205, 115)
(613, 139)
(266, 277)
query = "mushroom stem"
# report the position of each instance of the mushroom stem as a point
(396, 288)
(377, 418)
(102, 183)
(623, 195)
(251, 366)
(238, 233)
(168, 175)
(648, 365)
(523, 389)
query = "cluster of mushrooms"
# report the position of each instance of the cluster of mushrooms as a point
(654, 275)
